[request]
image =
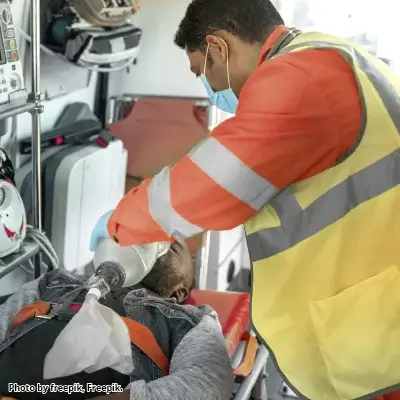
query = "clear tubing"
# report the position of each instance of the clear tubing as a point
(98, 287)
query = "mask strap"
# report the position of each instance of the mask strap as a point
(205, 61)
(227, 62)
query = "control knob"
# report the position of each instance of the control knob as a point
(6, 16)
(15, 81)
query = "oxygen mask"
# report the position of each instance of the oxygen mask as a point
(97, 337)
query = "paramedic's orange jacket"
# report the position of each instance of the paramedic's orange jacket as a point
(297, 114)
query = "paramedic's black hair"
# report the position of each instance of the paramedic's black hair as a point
(249, 20)
(171, 269)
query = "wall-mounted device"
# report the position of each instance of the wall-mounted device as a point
(104, 47)
(12, 87)
(106, 13)
(92, 33)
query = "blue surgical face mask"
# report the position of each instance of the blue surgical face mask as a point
(225, 99)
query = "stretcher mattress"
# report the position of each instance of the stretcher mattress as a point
(158, 132)
(233, 311)
(79, 184)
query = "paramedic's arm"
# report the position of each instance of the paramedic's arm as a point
(283, 129)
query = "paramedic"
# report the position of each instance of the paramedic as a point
(311, 164)
(189, 336)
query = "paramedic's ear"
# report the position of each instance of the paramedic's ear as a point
(180, 294)
(217, 48)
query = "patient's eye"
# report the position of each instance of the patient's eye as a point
(176, 246)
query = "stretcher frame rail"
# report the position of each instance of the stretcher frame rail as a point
(115, 102)
(255, 381)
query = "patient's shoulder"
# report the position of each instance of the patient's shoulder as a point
(208, 319)
(60, 276)
(200, 310)
(55, 284)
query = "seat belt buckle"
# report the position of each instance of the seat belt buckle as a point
(54, 307)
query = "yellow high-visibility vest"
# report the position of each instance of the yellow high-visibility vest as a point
(326, 253)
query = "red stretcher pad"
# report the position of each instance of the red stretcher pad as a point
(233, 310)
(158, 132)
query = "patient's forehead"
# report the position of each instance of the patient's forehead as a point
(180, 256)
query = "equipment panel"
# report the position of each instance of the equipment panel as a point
(12, 88)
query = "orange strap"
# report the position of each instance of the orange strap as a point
(245, 368)
(29, 312)
(143, 338)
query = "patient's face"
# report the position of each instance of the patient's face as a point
(173, 275)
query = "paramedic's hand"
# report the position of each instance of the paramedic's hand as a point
(100, 231)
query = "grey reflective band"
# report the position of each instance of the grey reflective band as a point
(286, 206)
(283, 42)
(327, 209)
(386, 91)
(162, 211)
(232, 174)
(360, 187)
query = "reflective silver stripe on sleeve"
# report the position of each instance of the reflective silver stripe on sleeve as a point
(161, 209)
(342, 198)
(229, 172)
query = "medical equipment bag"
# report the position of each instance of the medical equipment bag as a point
(80, 182)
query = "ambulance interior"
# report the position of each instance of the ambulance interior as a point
(130, 88)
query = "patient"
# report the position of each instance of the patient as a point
(189, 336)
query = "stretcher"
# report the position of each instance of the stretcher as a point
(249, 357)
